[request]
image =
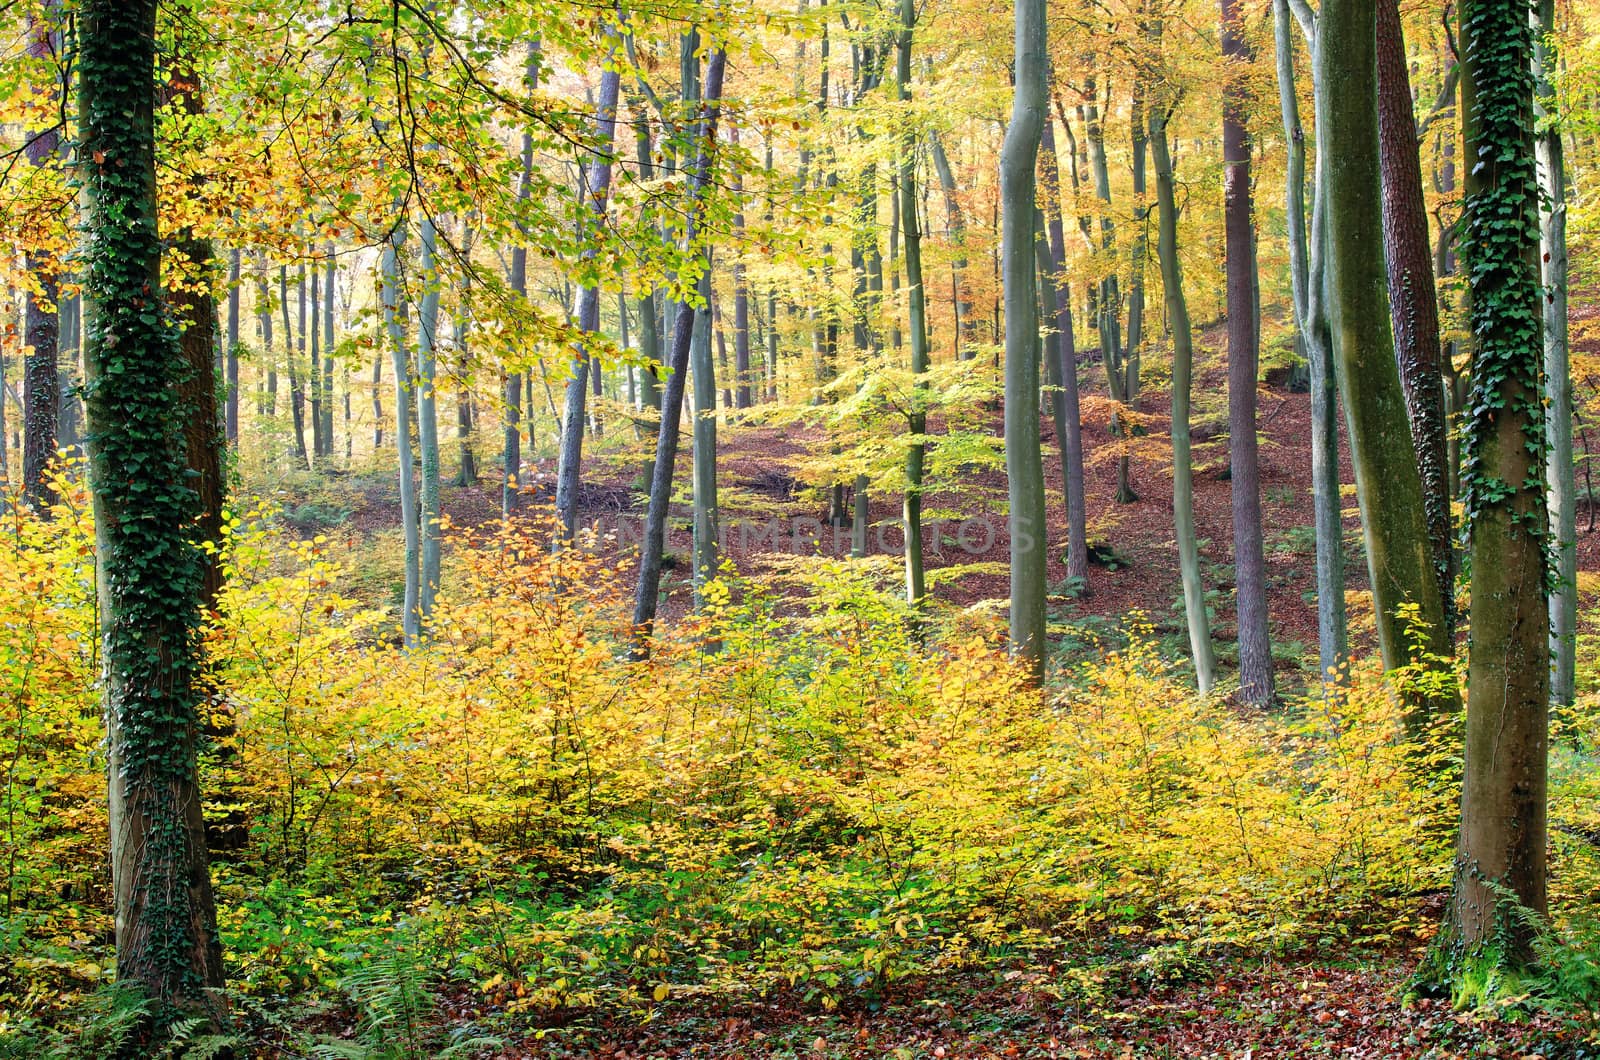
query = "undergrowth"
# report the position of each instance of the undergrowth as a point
(829, 805)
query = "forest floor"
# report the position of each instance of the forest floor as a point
(1231, 1007)
(768, 510)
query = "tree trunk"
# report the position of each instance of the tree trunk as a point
(1024, 468)
(917, 321)
(966, 325)
(150, 572)
(1306, 255)
(1413, 305)
(704, 433)
(511, 424)
(1250, 574)
(1559, 471)
(231, 408)
(1194, 594)
(1388, 482)
(1503, 823)
(594, 192)
(427, 396)
(411, 615)
(655, 537)
(42, 322)
(319, 444)
(291, 355)
(327, 354)
(1064, 372)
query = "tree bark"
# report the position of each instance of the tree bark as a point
(704, 433)
(231, 408)
(594, 191)
(1024, 468)
(1306, 258)
(390, 293)
(1064, 369)
(1559, 470)
(1413, 305)
(1503, 824)
(1250, 574)
(41, 320)
(150, 571)
(1388, 482)
(917, 320)
(427, 397)
(511, 425)
(1194, 595)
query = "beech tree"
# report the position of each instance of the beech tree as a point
(1024, 466)
(150, 572)
(1501, 855)
(1388, 482)
(1249, 560)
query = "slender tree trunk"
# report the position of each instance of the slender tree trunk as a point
(649, 584)
(411, 615)
(150, 571)
(41, 320)
(377, 399)
(318, 443)
(297, 390)
(231, 408)
(329, 302)
(1194, 594)
(1388, 482)
(1311, 323)
(1559, 471)
(511, 424)
(428, 422)
(594, 191)
(917, 320)
(1064, 373)
(1503, 817)
(955, 220)
(1250, 567)
(1024, 468)
(1413, 305)
(703, 374)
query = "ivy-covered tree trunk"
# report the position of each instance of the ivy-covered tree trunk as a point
(1024, 466)
(1249, 560)
(41, 320)
(1413, 305)
(1502, 848)
(1388, 482)
(1559, 471)
(1194, 593)
(150, 572)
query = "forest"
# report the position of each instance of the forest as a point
(799, 528)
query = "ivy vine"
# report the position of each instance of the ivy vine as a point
(150, 568)
(1500, 222)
